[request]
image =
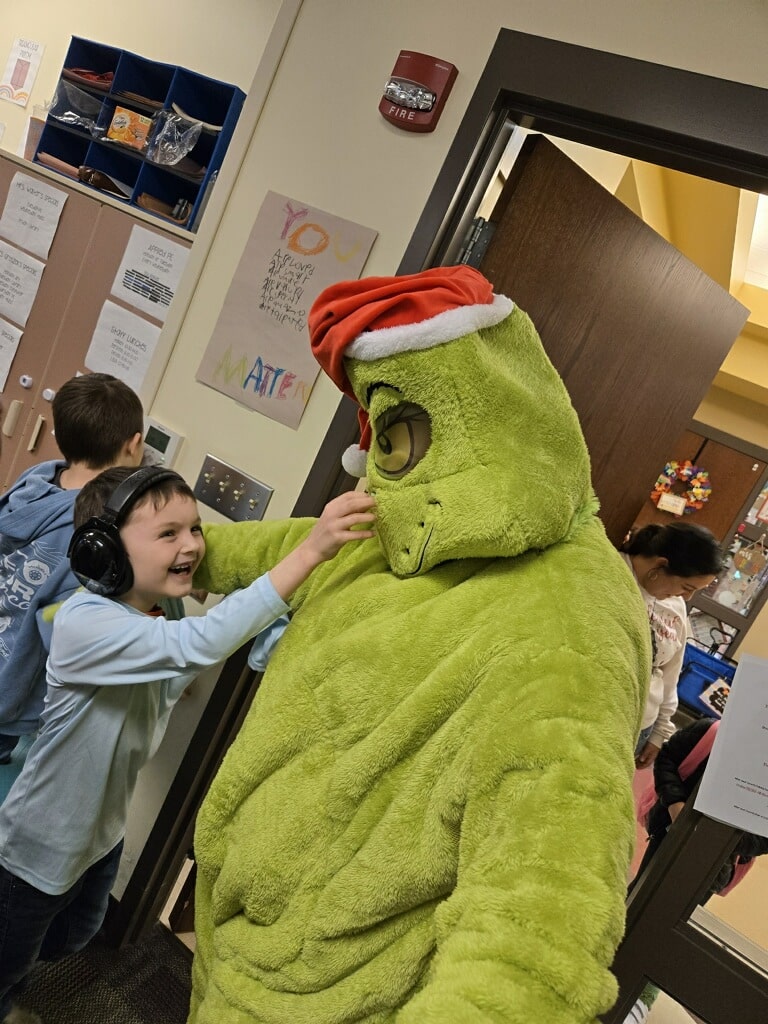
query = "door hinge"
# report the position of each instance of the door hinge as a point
(477, 241)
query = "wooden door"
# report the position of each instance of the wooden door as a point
(733, 475)
(635, 329)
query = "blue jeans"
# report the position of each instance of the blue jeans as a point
(37, 926)
(645, 735)
(7, 747)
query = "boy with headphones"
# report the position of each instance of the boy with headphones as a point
(99, 422)
(114, 672)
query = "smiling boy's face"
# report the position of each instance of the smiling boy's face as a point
(165, 545)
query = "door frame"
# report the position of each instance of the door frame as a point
(680, 119)
(690, 122)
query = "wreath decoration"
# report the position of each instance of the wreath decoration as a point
(698, 490)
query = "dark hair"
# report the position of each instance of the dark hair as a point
(96, 493)
(93, 417)
(690, 550)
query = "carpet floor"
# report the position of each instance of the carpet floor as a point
(148, 983)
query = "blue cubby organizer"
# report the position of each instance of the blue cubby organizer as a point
(153, 86)
(701, 669)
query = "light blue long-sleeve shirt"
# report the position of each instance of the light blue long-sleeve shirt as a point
(113, 676)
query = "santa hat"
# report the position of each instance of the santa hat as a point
(380, 316)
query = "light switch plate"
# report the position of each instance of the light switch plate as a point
(231, 492)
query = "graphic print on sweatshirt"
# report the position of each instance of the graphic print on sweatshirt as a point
(665, 634)
(22, 572)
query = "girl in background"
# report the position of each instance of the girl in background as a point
(670, 563)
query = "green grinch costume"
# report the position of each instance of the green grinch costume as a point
(427, 814)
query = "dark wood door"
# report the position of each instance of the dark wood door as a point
(635, 329)
(733, 476)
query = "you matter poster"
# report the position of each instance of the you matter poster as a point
(259, 351)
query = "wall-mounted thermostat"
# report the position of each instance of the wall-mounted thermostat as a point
(161, 445)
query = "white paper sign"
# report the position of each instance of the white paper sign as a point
(19, 280)
(150, 272)
(31, 214)
(10, 337)
(21, 71)
(122, 344)
(734, 788)
(674, 503)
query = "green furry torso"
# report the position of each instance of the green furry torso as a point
(420, 750)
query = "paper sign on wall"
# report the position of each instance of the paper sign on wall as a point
(123, 344)
(10, 337)
(734, 788)
(19, 280)
(259, 352)
(31, 213)
(21, 71)
(150, 271)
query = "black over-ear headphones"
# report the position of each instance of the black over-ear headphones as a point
(96, 553)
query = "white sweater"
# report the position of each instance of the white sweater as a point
(668, 618)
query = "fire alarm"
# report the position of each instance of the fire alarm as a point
(416, 91)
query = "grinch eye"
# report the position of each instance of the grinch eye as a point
(403, 435)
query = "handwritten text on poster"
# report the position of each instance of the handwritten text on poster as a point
(259, 351)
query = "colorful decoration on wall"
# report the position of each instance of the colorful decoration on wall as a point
(698, 488)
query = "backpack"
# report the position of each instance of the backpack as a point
(702, 749)
(648, 798)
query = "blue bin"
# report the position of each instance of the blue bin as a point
(700, 670)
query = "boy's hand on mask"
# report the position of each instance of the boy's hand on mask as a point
(346, 518)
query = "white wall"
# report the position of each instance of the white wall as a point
(176, 32)
(321, 139)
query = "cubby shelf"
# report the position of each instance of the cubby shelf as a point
(128, 80)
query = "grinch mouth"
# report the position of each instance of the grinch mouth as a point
(421, 555)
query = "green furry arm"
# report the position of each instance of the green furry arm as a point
(531, 928)
(238, 553)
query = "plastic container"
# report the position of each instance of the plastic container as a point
(704, 681)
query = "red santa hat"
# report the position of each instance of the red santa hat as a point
(375, 317)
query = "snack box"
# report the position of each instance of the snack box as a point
(129, 128)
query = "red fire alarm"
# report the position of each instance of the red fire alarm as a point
(416, 91)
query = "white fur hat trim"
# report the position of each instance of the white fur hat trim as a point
(438, 330)
(354, 460)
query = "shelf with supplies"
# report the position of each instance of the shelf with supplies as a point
(150, 134)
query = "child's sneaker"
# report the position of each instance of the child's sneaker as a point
(18, 1015)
